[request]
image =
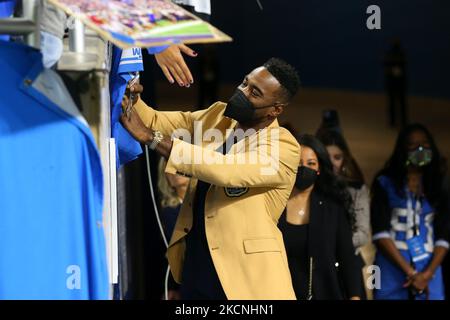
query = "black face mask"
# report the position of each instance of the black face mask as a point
(306, 177)
(241, 109)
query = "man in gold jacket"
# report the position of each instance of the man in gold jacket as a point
(226, 243)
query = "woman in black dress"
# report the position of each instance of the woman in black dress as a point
(316, 227)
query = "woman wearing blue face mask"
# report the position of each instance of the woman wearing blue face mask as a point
(317, 232)
(410, 219)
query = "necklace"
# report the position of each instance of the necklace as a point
(301, 212)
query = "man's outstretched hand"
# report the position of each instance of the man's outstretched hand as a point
(133, 124)
(172, 64)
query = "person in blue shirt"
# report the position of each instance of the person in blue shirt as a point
(410, 219)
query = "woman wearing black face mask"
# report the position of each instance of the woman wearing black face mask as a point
(410, 219)
(317, 232)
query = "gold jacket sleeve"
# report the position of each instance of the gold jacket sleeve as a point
(167, 121)
(267, 169)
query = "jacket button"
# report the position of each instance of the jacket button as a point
(186, 230)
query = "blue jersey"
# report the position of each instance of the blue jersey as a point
(51, 187)
(402, 225)
(124, 64)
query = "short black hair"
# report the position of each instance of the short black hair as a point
(286, 75)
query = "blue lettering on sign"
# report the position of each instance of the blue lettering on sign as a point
(137, 52)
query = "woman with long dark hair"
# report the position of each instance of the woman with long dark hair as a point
(347, 169)
(316, 227)
(410, 218)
